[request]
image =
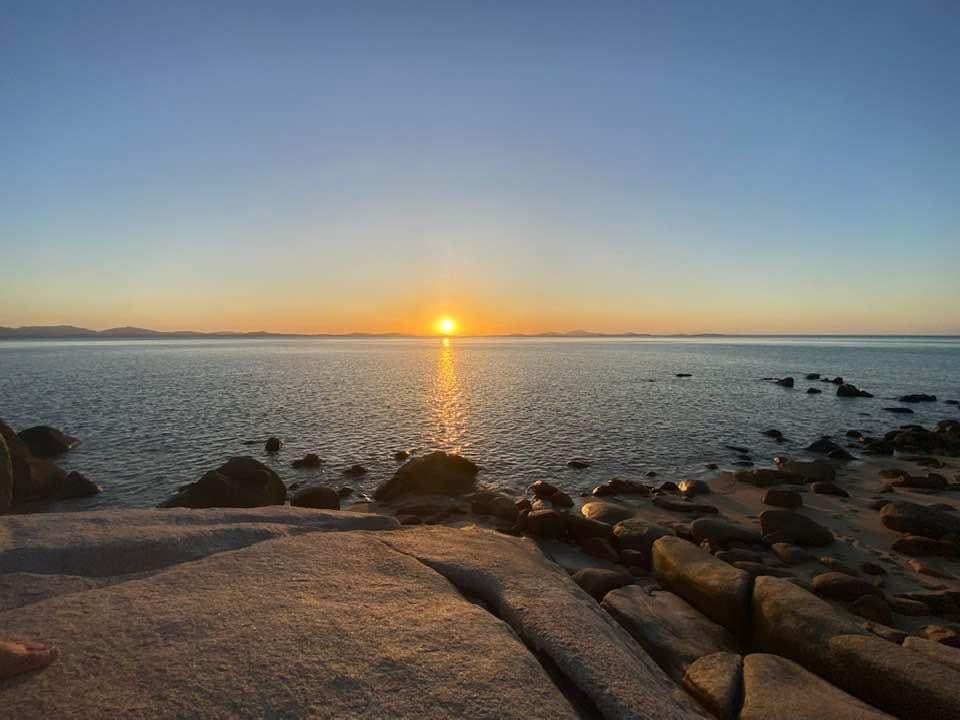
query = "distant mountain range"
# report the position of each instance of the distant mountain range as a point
(67, 332)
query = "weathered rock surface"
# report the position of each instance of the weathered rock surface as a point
(716, 681)
(934, 650)
(718, 590)
(34, 478)
(775, 688)
(597, 582)
(914, 519)
(792, 527)
(239, 482)
(437, 473)
(840, 586)
(672, 631)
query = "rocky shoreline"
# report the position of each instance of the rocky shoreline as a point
(817, 586)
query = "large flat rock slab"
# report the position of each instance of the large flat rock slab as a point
(121, 542)
(552, 615)
(320, 625)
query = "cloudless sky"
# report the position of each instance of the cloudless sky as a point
(522, 166)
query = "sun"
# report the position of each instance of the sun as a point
(446, 326)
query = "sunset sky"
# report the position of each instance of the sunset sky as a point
(519, 166)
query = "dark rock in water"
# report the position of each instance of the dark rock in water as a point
(855, 434)
(852, 391)
(836, 381)
(317, 496)
(545, 523)
(578, 463)
(684, 506)
(34, 478)
(737, 449)
(840, 454)
(684, 375)
(951, 402)
(401, 456)
(711, 466)
(913, 519)
(650, 473)
(355, 471)
(561, 499)
(668, 487)
(775, 434)
(783, 498)
(792, 527)
(917, 398)
(813, 376)
(310, 460)
(829, 488)
(616, 486)
(436, 473)
(784, 382)
(899, 410)
(715, 681)
(691, 488)
(345, 492)
(273, 445)
(823, 446)
(45, 442)
(813, 391)
(743, 463)
(543, 489)
(77, 485)
(607, 512)
(240, 482)
(597, 582)
(840, 586)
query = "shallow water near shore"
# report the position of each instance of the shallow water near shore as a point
(155, 414)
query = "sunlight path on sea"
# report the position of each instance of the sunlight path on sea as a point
(447, 405)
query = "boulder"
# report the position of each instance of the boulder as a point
(240, 482)
(814, 391)
(789, 554)
(401, 456)
(933, 481)
(597, 582)
(792, 527)
(606, 512)
(616, 486)
(45, 442)
(716, 682)
(763, 477)
(784, 382)
(34, 478)
(919, 546)
(317, 496)
(545, 523)
(829, 488)
(640, 535)
(823, 446)
(775, 688)
(934, 650)
(582, 529)
(273, 445)
(691, 488)
(809, 470)
(437, 473)
(6, 477)
(873, 607)
(851, 391)
(840, 586)
(684, 506)
(77, 485)
(496, 503)
(719, 590)
(722, 531)
(600, 548)
(310, 460)
(672, 632)
(914, 519)
(783, 498)
(356, 470)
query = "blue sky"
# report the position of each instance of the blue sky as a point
(683, 166)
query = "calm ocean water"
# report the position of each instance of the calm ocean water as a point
(155, 414)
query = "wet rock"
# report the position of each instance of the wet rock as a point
(355, 471)
(597, 582)
(545, 523)
(763, 477)
(813, 376)
(77, 485)
(240, 482)
(829, 488)
(310, 460)
(809, 470)
(543, 489)
(774, 434)
(6, 476)
(437, 473)
(600, 548)
(840, 586)
(852, 391)
(578, 463)
(717, 589)
(616, 486)
(640, 535)
(692, 488)
(823, 446)
(606, 512)
(775, 687)
(736, 555)
(496, 503)
(401, 456)
(873, 607)
(317, 496)
(782, 498)
(45, 442)
(790, 554)
(722, 532)
(582, 529)
(914, 519)
(672, 632)
(792, 527)
(784, 382)
(854, 434)
(561, 499)
(273, 445)
(917, 398)
(711, 466)
(840, 454)
(716, 682)
(345, 492)
(872, 569)
(684, 506)
(814, 391)
(737, 448)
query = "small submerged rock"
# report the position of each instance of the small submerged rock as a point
(273, 445)
(310, 460)
(317, 496)
(784, 382)
(437, 473)
(852, 391)
(814, 391)
(917, 398)
(578, 463)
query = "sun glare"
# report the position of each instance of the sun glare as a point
(446, 326)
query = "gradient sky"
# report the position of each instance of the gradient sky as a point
(522, 166)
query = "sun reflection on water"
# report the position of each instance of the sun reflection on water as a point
(448, 409)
